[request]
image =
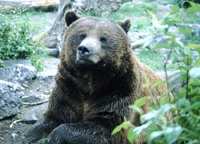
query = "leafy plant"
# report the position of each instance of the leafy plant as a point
(136, 12)
(16, 42)
(177, 120)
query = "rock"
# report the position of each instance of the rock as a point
(51, 42)
(53, 52)
(17, 71)
(50, 70)
(174, 80)
(34, 113)
(47, 75)
(9, 99)
(23, 73)
(31, 99)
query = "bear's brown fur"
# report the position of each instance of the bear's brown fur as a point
(89, 101)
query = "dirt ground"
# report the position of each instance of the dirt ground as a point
(13, 133)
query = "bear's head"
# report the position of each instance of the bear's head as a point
(94, 42)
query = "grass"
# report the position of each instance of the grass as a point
(17, 32)
(141, 22)
(37, 20)
(151, 58)
(137, 13)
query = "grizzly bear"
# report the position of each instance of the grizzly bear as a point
(98, 78)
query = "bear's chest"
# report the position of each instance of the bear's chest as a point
(87, 86)
(90, 85)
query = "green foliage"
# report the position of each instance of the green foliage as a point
(136, 12)
(16, 41)
(12, 11)
(36, 60)
(36, 20)
(175, 120)
(151, 58)
(91, 12)
(124, 125)
(188, 107)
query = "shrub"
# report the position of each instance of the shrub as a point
(15, 40)
(182, 41)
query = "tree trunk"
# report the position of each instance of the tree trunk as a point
(100, 7)
(54, 36)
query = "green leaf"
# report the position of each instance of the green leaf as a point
(131, 135)
(194, 8)
(165, 99)
(155, 21)
(138, 130)
(170, 134)
(166, 108)
(124, 125)
(136, 109)
(157, 113)
(195, 106)
(141, 101)
(150, 115)
(194, 46)
(183, 103)
(155, 135)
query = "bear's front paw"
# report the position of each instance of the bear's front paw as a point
(34, 134)
(57, 136)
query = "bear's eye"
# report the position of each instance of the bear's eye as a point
(82, 36)
(103, 39)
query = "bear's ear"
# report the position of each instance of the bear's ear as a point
(70, 17)
(125, 25)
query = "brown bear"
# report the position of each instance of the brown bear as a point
(98, 78)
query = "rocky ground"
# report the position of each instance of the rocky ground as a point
(24, 92)
(24, 96)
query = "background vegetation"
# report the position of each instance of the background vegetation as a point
(172, 119)
(16, 31)
(171, 42)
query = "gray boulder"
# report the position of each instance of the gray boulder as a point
(18, 71)
(10, 101)
(23, 73)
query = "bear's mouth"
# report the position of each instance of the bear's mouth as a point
(89, 59)
(84, 61)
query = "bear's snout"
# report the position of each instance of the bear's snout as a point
(83, 55)
(83, 51)
(89, 51)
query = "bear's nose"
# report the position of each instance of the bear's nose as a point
(83, 51)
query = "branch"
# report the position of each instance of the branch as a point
(22, 121)
(165, 70)
(35, 103)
